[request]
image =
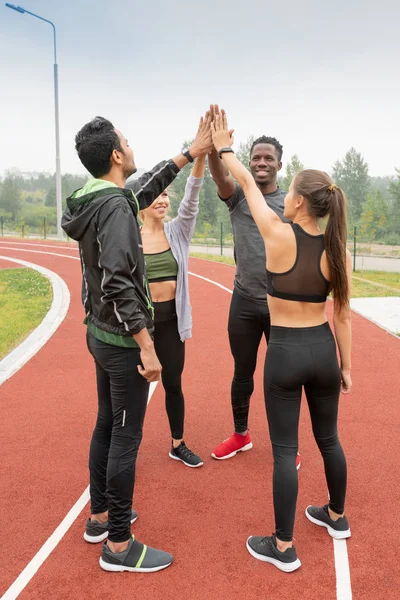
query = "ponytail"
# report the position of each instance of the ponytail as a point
(335, 246)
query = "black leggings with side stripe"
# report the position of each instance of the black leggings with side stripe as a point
(297, 358)
(171, 354)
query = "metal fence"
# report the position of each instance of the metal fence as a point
(365, 256)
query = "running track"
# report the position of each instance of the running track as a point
(203, 516)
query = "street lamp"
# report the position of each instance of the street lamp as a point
(58, 168)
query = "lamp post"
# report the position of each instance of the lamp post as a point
(58, 168)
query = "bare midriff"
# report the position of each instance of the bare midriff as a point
(162, 291)
(289, 313)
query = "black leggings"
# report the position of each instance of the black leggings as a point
(171, 354)
(300, 357)
(248, 321)
(122, 396)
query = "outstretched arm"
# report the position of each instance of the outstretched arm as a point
(219, 172)
(150, 185)
(199, 167)
(189, 206)
(265, 218)
(188, 209)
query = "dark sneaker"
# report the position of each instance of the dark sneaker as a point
(265, 549)
(188, 457)
(319, 515)
(98, 532)
(137, 558)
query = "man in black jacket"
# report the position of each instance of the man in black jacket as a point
(102, 217)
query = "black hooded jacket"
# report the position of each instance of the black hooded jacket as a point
(115, 292)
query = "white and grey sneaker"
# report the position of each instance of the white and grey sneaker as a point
(266, 550)
(98, 532)
(319, 515)
(137, 558)
(184, 454)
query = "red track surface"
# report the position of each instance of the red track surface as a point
(203, 516)
(5, 264)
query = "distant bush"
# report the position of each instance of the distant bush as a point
(392, 239)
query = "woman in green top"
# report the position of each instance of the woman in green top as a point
(166, 250)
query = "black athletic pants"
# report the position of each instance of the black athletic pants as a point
(171, 354)
(122, 397)
(248, 321)
(298, 357)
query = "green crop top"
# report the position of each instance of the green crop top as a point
(161, 266)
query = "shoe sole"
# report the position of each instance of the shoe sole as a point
(120, 568)
(185, 463)
(96, 539)
(337, 535)
(244, 449)
(285, 567)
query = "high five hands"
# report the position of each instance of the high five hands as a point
(222, 136)
(202, 143)
(213, 132)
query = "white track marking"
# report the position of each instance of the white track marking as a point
(342, 567)
(211, 281)
(43, 332)
(32, 245)
(34, 565)
(39, 252)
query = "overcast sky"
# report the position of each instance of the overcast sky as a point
(320, 77)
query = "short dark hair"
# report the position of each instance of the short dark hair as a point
(95, 143)
(268, 140)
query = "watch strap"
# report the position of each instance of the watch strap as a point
(223, 150)
(187, 155)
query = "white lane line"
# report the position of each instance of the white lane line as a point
(39, 252)
(16, 359)
(342, 566)
(59, 247)
(34, 565)
(211, 281)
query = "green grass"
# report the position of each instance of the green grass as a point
(362, 289)
(25, 298)
(226, 260)
(389, 279)
(379, 283)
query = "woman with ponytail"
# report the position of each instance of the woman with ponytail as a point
(304, 266)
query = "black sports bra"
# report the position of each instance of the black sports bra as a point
(304, 282)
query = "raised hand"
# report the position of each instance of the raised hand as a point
(202, 143)
(222, 136)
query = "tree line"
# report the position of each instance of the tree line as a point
(27, 202)
(373, 202)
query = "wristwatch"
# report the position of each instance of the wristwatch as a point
(225, 150)
(187, 155)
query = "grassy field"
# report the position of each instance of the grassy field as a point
(25, 298)
(366, 284)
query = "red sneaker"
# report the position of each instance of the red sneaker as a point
(236, 443)
(298, 461)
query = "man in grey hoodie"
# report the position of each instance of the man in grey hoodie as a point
(102, 217)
